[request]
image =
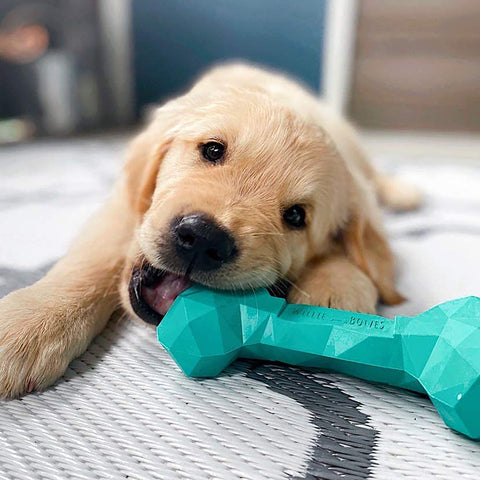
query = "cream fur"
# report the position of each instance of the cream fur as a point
(283, 147)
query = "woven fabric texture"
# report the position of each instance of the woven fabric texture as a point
(124, 410)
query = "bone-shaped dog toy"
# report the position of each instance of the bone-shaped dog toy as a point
(437, 352)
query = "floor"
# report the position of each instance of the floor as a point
(425, 147)
(123, 410)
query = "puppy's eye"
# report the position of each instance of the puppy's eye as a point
(213, 151)
(294, 216)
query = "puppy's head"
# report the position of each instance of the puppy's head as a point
(234, 192)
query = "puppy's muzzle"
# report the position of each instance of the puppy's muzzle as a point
(201, 244)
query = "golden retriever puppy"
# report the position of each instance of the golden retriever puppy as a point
(248, 180)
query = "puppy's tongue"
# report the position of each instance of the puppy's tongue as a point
(161, 296)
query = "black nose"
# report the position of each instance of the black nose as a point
(200, 239)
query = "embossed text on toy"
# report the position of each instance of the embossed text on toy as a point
(350, 320)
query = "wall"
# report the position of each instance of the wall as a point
(174, 40)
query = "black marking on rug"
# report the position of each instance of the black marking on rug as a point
(14, 278)
(344, 444)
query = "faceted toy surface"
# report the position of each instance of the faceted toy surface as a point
(437, 352)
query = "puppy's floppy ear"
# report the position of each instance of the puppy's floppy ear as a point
(145, 156)
(367, 246)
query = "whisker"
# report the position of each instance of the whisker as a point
(296, 287)
(261, 234)
(291, 282)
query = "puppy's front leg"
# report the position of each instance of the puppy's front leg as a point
(44, 326)
(335, 282)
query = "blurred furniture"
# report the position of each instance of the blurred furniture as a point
(417, 65)
(71, 83)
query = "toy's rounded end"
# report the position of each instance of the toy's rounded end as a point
(460, 411)
(450, 366)
(202, 332)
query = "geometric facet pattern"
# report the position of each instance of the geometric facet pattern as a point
(437, 352)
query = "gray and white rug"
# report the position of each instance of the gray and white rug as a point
(123, 409)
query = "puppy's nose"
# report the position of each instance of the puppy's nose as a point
(200, 239)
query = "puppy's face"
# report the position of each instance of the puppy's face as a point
(244, 196)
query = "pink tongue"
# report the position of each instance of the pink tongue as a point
(161, 296)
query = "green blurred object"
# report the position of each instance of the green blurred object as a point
(437, 352)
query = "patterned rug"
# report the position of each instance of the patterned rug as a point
(124, 410)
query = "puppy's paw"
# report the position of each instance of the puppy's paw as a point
(34, 345)
(350, 301)
(336, 284)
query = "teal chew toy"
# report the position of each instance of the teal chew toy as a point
(437, 352)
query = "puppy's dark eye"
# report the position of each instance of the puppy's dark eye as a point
(213, 151)
(294, 216)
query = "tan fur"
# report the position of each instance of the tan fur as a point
(283, 147)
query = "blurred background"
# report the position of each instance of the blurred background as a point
(395, 68)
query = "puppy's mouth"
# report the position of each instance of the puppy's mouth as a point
(152, 292)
